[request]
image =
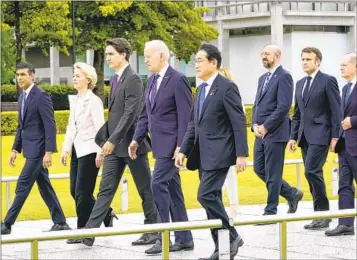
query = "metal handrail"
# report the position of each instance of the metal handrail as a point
(165, 228)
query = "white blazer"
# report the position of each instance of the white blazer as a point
(86, 117)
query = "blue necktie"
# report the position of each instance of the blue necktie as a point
(153, 90)
(202, 96)
(23, 105)
(267, 79)
(348, 92)
(306, 89)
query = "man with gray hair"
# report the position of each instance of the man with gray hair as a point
(346, 146)
(166, 113)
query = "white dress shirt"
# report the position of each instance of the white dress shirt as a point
(120, 72)
(162, 75)
(209, 83)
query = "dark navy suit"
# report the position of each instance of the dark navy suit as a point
(212, 143)
(315, 122)
(167, 120)
(347, 155)
(35, 135)
(271, 109)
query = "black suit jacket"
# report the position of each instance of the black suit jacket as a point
(124, 110)
(215, 139)
(320, 117)
(36, 133)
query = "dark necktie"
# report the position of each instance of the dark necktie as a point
(153, 90)
(202, 97)
(348, 92)
(24, 94)
(306, 89)
(114, 86)
(267, 79)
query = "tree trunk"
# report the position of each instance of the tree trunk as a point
(98, 64)
(17, 14)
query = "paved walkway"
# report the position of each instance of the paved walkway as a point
(261, 242)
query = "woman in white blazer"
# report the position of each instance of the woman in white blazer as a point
(231, 179)
(85, 119)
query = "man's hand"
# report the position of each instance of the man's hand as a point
(47, 160)
(346, 123)
(292, 145)
(99, 159)
(108, 148)
(177, 150)
(12, 159)
(133, 147)
(256, 132)
(64, 156)
(333, 144)
(180, 157)
(241, 163)
(262, 131)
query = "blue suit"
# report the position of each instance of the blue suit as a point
(167, 120)
(213, 141)
(347, 155)
(271, 109)
(315, 122)
(35, 135)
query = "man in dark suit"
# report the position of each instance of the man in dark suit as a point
(36, 137)
(125, 103)
(271, 125)
(216, 138)
(315, 126)
(346, 146)
(166, 113)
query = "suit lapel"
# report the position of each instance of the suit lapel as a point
(28, 100)
(163, 84)
(313, 87)
(351, 96)
(208, 98)
(272, 81)
(120, 82)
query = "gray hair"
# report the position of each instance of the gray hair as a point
(159, 46)
(89, 72)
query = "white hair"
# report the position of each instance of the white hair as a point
(89, 72)
(159, 46)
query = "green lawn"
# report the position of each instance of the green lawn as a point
(251, 189)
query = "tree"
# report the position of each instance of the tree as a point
(179, 24)
(8, 54)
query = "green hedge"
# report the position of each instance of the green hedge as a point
(58, 94)
(9, 120)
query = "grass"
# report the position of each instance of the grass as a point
(251, 189)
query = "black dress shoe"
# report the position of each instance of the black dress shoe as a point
(108, 220)
(146, 239)
(293, 203)
(74, 241)
(5, 229)
(59, 227)
(155, 249)
(89, 241)
(182, 247)
(318, 224)
(340, 230)
(214, 256)
(235, 245)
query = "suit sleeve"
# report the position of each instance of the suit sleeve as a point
(17, 146)
(68, 139)
(142, 126)
(295, 122)
(133, 99)
(183, 99)
(334, 98)
(233, 105)
(97, 113)
(47, 115)
(284, 99)
(189, 138)
(254, 118)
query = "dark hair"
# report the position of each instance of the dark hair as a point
(25, 65)
(212, 53)
(313, 50)
(120, 45)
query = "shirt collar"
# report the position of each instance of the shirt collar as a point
(211, 79)
(120, 72)
(313, 75)
(29, 89)
(163, 71)
(353, 81)
(274, 69)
